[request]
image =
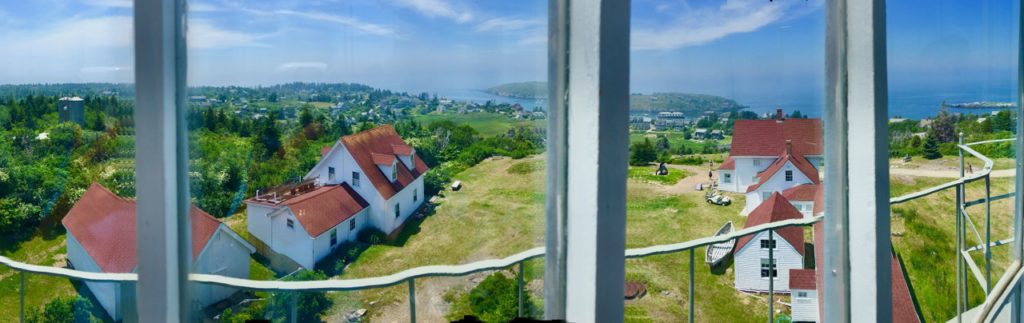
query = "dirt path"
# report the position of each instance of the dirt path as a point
(689, 183)
(944, 173)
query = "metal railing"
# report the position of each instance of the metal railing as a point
(996, 294)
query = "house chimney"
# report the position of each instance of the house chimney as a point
(789, 147)
(778, 114)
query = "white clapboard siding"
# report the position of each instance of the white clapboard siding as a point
(748, 264)
(804, 309)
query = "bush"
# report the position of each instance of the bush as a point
(64, 309)
(495, 299)
(311, 305)
(372, 236)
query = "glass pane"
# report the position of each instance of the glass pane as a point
(67, 148)
(952, 71)
(360, 139)
(725, 134)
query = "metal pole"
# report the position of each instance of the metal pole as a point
(412, 300)
(22, 291)
(295, 307)
(771, 275)
(959, 260)
(988, 234)
(557, 161)
(520, 290)
(690, 299)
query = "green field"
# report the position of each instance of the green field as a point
(488, 124)
(675, 139)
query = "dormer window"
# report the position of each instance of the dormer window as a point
(394, 172)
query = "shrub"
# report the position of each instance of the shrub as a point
(495, 299)
(64, 309)
(311, 305)
(372, 236)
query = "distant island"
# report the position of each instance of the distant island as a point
(980, 105)
(521, 90)
(689, 104)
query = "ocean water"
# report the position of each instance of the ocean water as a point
(913, 103)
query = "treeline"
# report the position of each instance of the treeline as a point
(938, 136)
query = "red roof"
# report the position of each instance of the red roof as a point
(326, 207)
(819, 200)
(775, 209)
(402, 150)
(803, 192)
(104, 225)
(768, 137)
(728, 164)
(323, 151)
(382, 159)
(382, 140)
(801, 279)
(903, 308)
(800, 162)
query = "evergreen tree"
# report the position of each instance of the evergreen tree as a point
(931, 147)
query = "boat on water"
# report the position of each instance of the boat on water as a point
(717, 252)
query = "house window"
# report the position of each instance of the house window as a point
(757, 162)
(768, 268)
(766, 195)
(352, 224)
(726, 178)
(291, 223)
(355, 179)
(330, 174)
(334, 237)
(801, 294)
(394, 172)
(765, 244)
(397, 213)
(789, 175)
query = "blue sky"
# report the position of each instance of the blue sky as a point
(754, 50)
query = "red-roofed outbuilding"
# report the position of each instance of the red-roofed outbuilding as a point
(751, 254)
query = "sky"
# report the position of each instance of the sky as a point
(753, 50)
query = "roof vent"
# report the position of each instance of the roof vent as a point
(778, 115)
(789, 147)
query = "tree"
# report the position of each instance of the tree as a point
(642, 153)
(268, 137)
(64, 310)
(495, 299)
(311, 305)
(931, 147)
(662, 143)
(306, 116)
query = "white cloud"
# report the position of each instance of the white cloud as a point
(507, 24)
(700, 26)
(204, 35)
(437, 8)
(112, 3)
(352, 22)
(292, 66)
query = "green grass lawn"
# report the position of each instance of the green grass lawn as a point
(675, 139)
(488, 124)
(647, 174)
(924, 234)
(40, 289)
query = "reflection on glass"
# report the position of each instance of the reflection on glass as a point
(726, 134)
(67, 148)
(952, 77)
(340, 140)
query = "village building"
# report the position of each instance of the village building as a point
(372, 179)
(785, 172)
(759, 146)
(803, 295)
(101, 237)
(754, 267)
(803, 197)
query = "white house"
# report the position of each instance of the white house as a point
(786, 172)
(804, 295)
(753, 265)
(804, 197)
(758, 144)
(101, 238)
(370, 179)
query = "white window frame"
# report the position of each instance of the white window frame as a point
(789, 175)
(727, 178)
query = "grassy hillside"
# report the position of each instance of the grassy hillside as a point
(487, 124)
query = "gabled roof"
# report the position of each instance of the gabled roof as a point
(904, 310)
(801, 279)
(804, 193)
(402, 149)
(324, 208)
(768, 137)
(382, 159)
(728, 164)
(819, 200)
(774, 209)
(104, 224)
(382, 140)
(799, 162)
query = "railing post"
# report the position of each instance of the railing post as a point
(412, 300)
(771, 276)
(988, 234)
(22, 292)
(959, 258)
(690, 298)
(294, 307)
(520, 290)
